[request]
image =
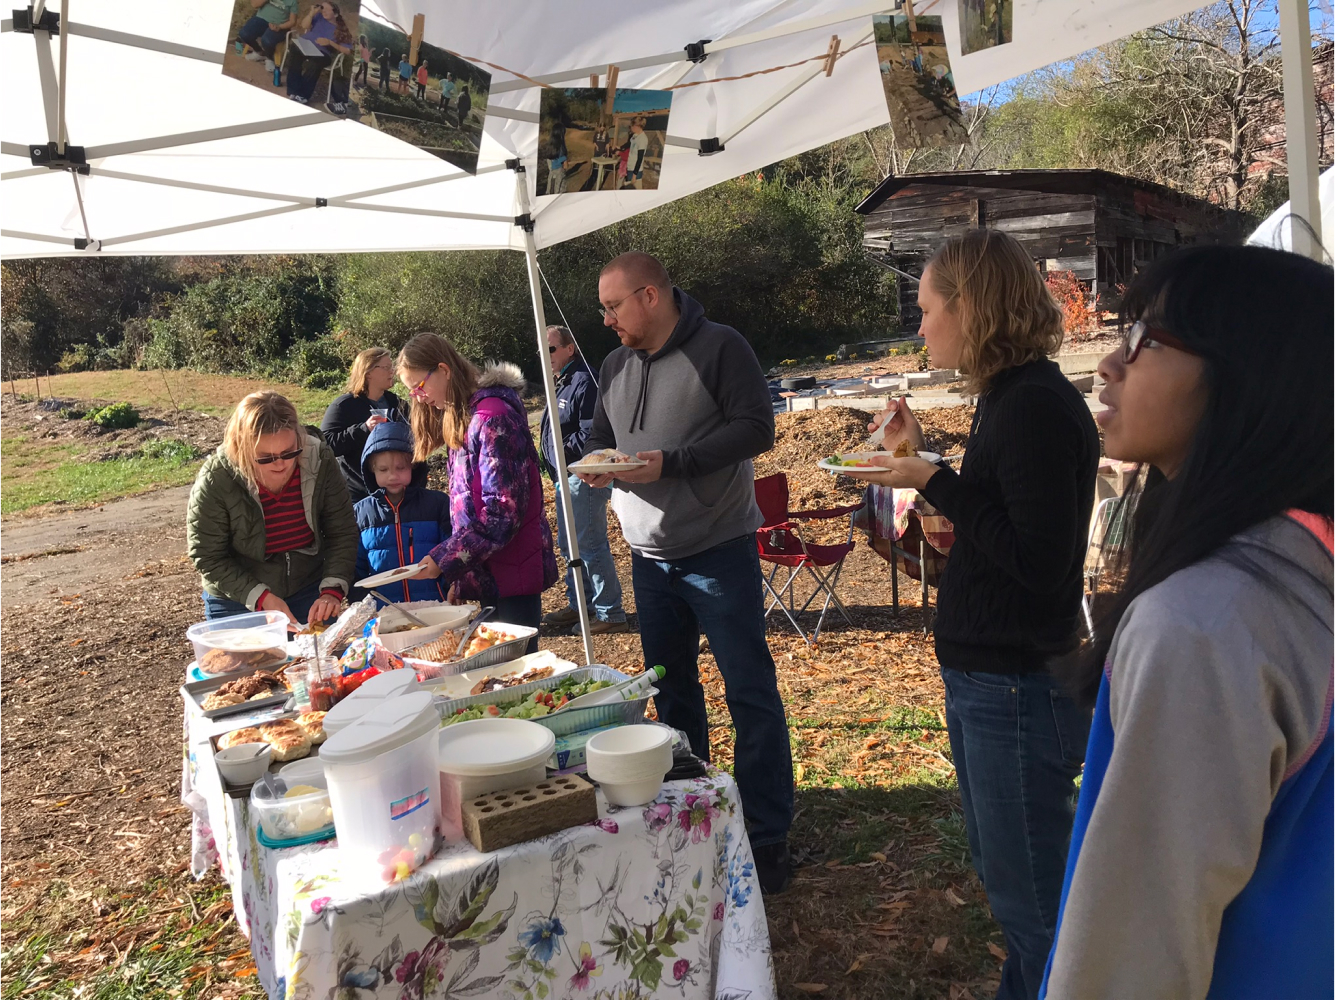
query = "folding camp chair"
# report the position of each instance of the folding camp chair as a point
(1107, 532)
(781, 543)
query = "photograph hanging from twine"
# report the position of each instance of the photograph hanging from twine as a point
(601, 139)
(357, 67)
(296, 49)
(919, 87)
(985, 24)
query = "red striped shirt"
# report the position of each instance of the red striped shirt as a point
(285, 526)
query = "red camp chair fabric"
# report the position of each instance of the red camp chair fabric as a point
(780, 543)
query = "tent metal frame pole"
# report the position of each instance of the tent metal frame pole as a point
(192, 226)
(787, 91)
(1295, 36)
(62, 135)
(206, 135)
(46, 75)
(142, 42)
(563, 498)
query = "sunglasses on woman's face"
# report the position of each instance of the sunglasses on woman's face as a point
(285, 456)
(1141, 335)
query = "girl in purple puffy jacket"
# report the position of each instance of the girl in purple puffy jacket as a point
(500, 551)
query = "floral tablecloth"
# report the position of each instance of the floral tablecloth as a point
(660, 901)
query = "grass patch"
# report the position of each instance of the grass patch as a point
(134, 951)
(213, 394)
(36, 473)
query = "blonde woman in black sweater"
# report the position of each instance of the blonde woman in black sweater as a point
(1010, 595)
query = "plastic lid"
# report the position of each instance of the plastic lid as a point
(369, 695)
(388, 726)
(483, 747)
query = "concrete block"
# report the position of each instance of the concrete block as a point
(1084, 383)
(797, 403)
(1078, 364)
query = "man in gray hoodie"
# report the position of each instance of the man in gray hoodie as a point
(687, 396)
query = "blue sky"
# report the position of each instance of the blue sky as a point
(1264, 21)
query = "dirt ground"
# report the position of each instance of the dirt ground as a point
(44, 421)
(90, 757)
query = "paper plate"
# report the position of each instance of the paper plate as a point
(864, 456)
(595, 464)
(389, 576)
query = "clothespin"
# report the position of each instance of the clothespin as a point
(832, 55)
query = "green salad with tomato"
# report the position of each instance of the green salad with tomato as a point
(536, 705)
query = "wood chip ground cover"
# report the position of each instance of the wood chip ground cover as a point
(97, 896)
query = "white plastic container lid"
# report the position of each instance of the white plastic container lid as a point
(372, 693)
(393, 723)
(484, 747)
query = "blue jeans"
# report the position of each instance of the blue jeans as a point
(258, 35)
(1018, 744)
(720, 590)
(300, 603)
(602, 589)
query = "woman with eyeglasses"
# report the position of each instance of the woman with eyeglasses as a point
(270, 525)
(1201, 862)
(500, 551)
(348, 421)
(1010, 594)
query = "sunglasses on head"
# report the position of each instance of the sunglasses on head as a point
(1140, 334)
(284, 456)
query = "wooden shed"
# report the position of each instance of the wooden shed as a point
(1100, 226)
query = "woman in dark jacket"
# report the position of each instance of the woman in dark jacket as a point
(348, 421)
(1010, 594)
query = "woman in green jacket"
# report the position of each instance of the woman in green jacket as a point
(270, 524)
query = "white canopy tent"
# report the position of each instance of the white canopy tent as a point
(122, 136)
(1278, 228)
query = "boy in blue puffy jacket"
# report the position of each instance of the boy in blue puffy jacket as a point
(399, 523)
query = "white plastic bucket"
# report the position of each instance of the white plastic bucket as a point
(384, 784)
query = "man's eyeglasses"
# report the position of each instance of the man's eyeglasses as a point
(612, 309)
(285, 456)
(551, 349)
(1141, 334)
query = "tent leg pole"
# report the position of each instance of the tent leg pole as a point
(563, 500)
(1295, 33)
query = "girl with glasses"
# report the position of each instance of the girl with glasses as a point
(1201, 858)
(269, 524)
(500, 552)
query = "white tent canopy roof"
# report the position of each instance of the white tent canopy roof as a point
(256, 191)
(1277, 230)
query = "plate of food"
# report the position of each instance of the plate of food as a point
(389, 576)
(851, 461)
(220, 696)
(501, 676)
(606, 460)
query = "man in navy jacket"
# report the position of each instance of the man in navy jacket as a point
(576, 398)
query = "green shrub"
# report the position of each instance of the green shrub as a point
(72, 413)
(317, 364)
(117, 416)
(77, 359)
(171, 449)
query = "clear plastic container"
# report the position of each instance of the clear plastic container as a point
(256, 640)
(294, 818)
(384, 785)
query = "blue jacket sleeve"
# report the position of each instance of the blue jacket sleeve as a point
(584, 399)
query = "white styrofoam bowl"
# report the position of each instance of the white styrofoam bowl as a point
(441, 618)
(632, 793)
(243, 763)
(629, 755)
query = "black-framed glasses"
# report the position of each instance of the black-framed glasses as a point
(612, 309)
(1140, 334)
(551, 349)
(284, 456)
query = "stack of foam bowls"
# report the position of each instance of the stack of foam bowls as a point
(487, 755)
(384, 786)
(629, 763)
(371, 694)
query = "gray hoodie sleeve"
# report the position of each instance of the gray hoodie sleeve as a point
(1217, 687)
(730, 372)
